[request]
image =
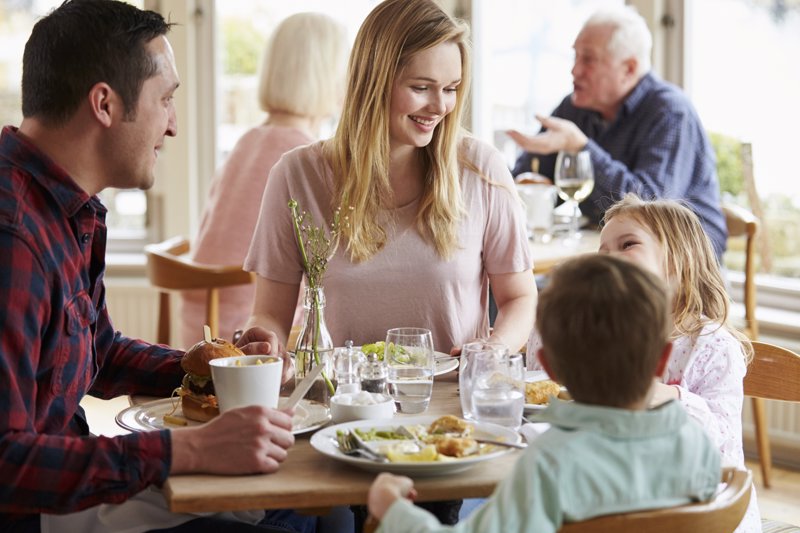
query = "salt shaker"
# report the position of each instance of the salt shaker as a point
(346, 363)
(373, 374)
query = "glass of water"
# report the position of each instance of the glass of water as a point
(498, 388)
(468, 352)
(410, 364)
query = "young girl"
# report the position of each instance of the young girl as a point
(709, 358)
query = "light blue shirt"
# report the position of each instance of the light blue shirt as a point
(593, 461)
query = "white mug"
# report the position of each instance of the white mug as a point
(247, 380)
(540, 202)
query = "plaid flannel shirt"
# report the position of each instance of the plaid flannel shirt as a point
(57, 344)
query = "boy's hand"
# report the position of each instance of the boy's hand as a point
(662, 393)
(385, 490)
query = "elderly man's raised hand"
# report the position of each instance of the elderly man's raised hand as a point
(560, 135)
(246, 440)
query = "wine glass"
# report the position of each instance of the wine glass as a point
(410, 363)
(574, 178)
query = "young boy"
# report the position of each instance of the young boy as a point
(604, 324)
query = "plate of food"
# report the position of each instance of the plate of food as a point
(539, 388)
(167, 413)
(417, 446)
(444, 362)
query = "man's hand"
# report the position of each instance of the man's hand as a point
(561, 134)
(259, 341)
(247, 440)
(385, 490)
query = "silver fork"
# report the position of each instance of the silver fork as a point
(410, 435)
(348, 444)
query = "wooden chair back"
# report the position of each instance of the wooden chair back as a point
(169, 269)
(774, 373)
(742, 223)
(720, 515)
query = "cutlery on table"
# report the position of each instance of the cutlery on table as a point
(350, 444)
(302, 388)
(518, 445)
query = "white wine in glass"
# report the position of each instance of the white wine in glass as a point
(574, 178)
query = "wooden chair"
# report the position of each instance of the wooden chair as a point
(169, 270)
(742, 223)
(774, 374)
(721, 515)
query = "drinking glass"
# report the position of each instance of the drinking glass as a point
(468, 352)
(410, 365)
(498, 388)
(574, 178)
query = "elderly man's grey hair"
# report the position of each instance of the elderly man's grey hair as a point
(631, 36)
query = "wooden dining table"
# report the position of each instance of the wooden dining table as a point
(548, 255)
(312, 482)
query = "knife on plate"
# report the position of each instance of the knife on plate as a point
(301, 388)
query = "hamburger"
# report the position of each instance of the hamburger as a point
(198, 399)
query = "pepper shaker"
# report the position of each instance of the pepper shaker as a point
(373, 374)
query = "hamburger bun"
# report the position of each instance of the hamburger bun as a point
(194, 408)
(198, 398)
(195, 360)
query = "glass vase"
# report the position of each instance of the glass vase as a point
(315, 347)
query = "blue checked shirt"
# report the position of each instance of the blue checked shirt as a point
(656, 147)
(57, 344)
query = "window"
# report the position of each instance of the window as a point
(743, 79)
(128, 222)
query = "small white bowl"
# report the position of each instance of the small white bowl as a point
(354, 406)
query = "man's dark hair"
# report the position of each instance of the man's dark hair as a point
(81, 43)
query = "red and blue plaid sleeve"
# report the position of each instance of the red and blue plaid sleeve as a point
(45, 463)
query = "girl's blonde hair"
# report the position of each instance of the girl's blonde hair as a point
(390, 36)
(699, 296)
(303, 66)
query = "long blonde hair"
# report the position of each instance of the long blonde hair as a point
(359, 152)
(699, 296)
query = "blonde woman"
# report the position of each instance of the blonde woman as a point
(301, 85)
(432, 214)
(709, 357)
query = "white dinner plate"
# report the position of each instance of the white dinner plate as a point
(444, 362)
(324, 441)
(308, 416)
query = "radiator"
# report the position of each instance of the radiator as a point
(133, 305)
(783, 420)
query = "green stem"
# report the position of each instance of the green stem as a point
(298, 236)
(315, 337)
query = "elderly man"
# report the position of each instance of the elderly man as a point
(643, 134)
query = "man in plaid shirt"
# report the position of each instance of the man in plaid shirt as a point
(97, 91)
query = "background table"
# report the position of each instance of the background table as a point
(547, 256)
(308, 479)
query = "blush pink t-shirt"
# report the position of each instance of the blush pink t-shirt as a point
(228, 222)
(406, 283)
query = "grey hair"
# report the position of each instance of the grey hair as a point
(631, 36)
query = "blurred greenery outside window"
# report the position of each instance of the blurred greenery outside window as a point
(745, 91)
